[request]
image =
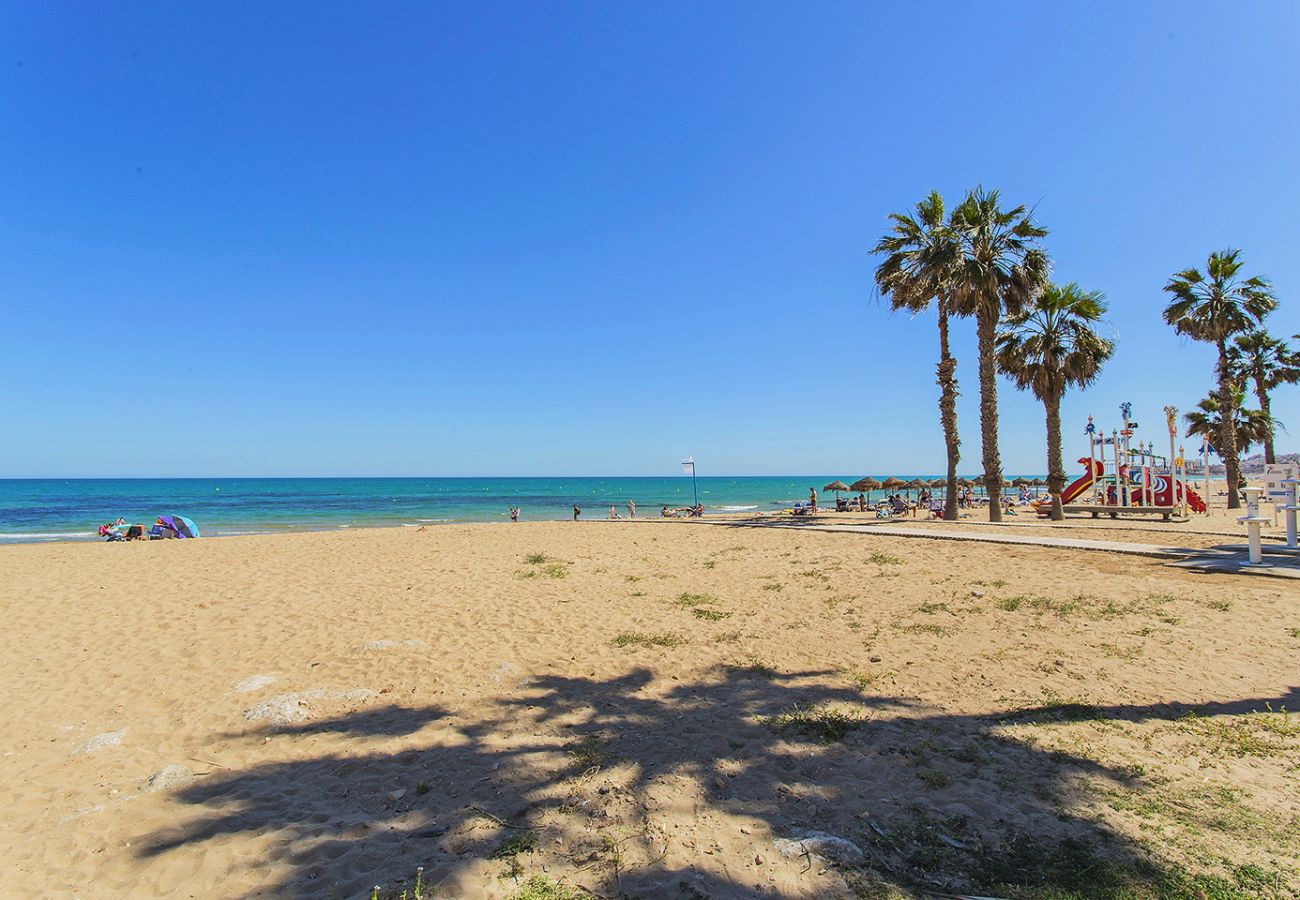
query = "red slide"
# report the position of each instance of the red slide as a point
(1161, 489)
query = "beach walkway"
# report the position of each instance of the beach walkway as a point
(1231, 558)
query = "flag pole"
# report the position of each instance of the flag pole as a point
(695, 489)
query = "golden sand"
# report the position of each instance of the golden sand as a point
(340, 708)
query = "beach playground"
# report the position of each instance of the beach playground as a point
(651, 708)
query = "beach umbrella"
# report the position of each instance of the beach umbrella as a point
(892, 482)
(1038, 482)
(965, 482)
(1022, 482)
(917, 484)
(941, 483)
(836, 487)
(867, 484)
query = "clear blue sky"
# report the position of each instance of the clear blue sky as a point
(570, 238)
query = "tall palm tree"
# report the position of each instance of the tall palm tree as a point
(1049, 346)
(1001, 265)
(920, 255)
(1213, 307)
(1264, 361)
(1206, 422)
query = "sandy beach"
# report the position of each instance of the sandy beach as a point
(655, 708)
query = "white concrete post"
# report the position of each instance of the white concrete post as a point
(1253, 521)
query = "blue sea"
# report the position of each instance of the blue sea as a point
(73, 509)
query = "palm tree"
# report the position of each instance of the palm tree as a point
(1251, 425)
(920, 255)
(1049, 346)
(1266, 362)
(1000, 267)
(1212, 308)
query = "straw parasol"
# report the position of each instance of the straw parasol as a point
(867, 484)
(1038, 482)
(939, 483)
(965, 482)
(1022, 481)
(892, 482)
(836, 487)
(917, 484)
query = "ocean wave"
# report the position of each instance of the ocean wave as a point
(736, 508)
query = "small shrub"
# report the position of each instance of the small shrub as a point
(536, 559)
(827, 724)
(556, 570)
(881, 558)
(710, 615)
(520, 842)
(587, 752)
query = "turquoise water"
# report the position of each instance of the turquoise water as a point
(72, 509)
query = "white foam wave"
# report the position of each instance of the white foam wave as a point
(736, 508)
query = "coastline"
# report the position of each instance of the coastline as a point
(307, 712)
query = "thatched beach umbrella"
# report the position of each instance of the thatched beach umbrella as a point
(836, 487)
(941, 483)
(965, 482)
(892, 482)
(916, 484)
(1022, 481)
(1038, 483)
(867, 484)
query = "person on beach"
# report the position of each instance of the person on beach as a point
(862, 502)
(576, 512)
(664, 513)
(631, 509)
(613, 513)
(699, 510)
(812, 500)
(514, 514)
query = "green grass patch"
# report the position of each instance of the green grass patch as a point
(710, 615)
(587, 752)
(773, 586)
(539, 887)
(519, 842)
(536, 559)
(647, 639)
(924, 628)
(827, 724)
(688, 600)
(881, 558)
(556, 570)
(1264, 733)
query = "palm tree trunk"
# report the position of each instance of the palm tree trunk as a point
(1228, 428)
(947, 369)
(1055, 464)
(986, 325)
(1262, 393)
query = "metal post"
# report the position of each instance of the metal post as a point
(690, 461)
(1253, 521)
(1290, 508)
(1205, 471)
(1090, 428)
(1119, 488)
(1182, 478)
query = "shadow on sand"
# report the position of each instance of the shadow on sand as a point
(637, 786)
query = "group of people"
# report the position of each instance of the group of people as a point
(667, 512)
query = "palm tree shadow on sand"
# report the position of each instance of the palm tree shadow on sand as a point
(646, 786)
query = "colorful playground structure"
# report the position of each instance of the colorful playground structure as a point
(1123, 476)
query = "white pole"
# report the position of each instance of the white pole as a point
(1114, 436)
(1205, 471)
